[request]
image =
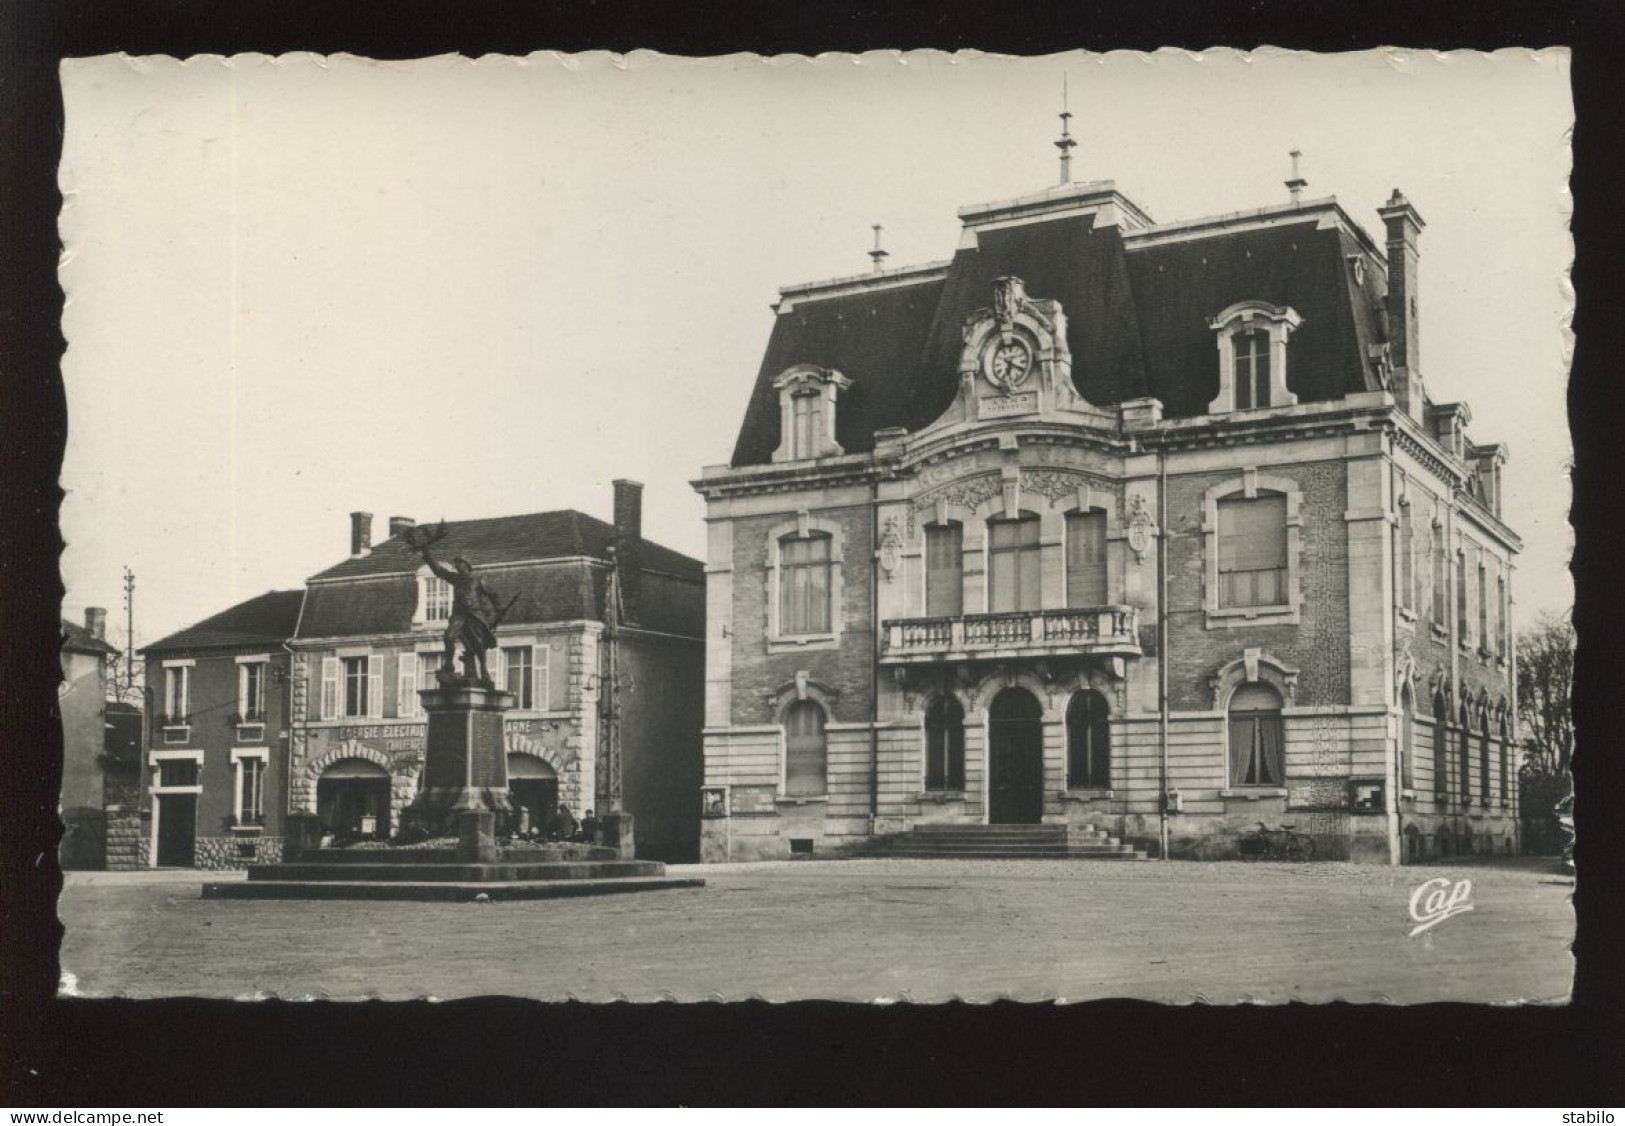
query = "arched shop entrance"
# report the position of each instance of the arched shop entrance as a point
(533, 789)
(352, 799)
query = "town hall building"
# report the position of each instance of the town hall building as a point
(1145, 529)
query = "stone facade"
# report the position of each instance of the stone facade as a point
(223, 853)
(1317, 673)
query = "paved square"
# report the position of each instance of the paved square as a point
(926, 930)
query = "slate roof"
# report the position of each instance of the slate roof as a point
(265, 620)
(512, 539)
(380, 596)
(1137, 319)
(76, 639)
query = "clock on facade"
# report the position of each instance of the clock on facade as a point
(1008, 365)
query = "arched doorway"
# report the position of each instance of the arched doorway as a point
(1015, 759)
(352, 799)
(533, 790)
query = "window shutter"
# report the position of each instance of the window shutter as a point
(1252, 534)
(330, 687)
(1086, 559)
(375, 686)
(406, 685)
(538, 677)
(500, 679)
(242, 691)
(944, 563)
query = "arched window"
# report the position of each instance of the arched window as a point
(1257, 737)
(1088, 742)
(1441, 746)
(1013, 558)
(1252, 369)
(806, 755)
(944, 570)
(1086, 558)
(1252, 551)
(945, 745)
(804, 584)
(1407, 738)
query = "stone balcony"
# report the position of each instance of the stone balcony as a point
(1111, 631)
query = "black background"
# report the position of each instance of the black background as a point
(110, 1053)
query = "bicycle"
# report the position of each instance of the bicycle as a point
(1277, 844)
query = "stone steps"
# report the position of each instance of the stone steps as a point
(1003, 842)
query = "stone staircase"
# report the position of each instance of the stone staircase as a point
(1003, 842)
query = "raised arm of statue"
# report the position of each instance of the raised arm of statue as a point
(440, 572)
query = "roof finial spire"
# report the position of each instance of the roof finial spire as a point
(1297, 183)
(1066, 144)
(877, 254)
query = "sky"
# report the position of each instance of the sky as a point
(451, 288)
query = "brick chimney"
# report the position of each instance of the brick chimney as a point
(399, 524)
(629, 546)
(360, 534)
(1404, 224)
(96, 622)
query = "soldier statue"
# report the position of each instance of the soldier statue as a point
(475, 613)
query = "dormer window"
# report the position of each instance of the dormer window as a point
(807, 397)
(1252, 340)
(434, 599)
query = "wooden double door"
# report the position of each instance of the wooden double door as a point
(1015, 782)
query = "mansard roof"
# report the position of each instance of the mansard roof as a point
(265, 620)
(1138, 301)
(512, 539)
(554, 565)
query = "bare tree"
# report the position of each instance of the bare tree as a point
(1545, 683)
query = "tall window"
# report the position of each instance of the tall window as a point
(944, 570)
(251, 692)
(1086, 559)
(804, 574)
(1441, 747)
(806, 753)
(1407, 561)
(1252, 369)
(1013, 558)
(1500, 612)
(806, 417)
(1466, 752)
(1506, 755)
(1484, 758)
(1407, 738)
(358, 696)
(1257, 737)
(177, 695)
(945, 745)
(1088, 742)
(519, 673)
(436, 599)
(1440, 571)
(1252, 551)
(1461, 597)
(251, 795)
(1483, 608)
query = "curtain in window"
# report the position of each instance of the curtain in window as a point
(804, 566)
(517, 670)
(1257, 737)
(945, 745)
(1252, 551)
(1088, 742)
(1014, 560)
(1252, 370)
(1086, 559)
(805, 750)
(806, 419)
(944, 564)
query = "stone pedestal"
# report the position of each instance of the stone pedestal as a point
(301, 833)
(465, 758)
(615, 831)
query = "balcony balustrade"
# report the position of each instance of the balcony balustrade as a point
(1107, 630)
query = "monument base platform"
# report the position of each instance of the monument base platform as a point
(497, 891)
